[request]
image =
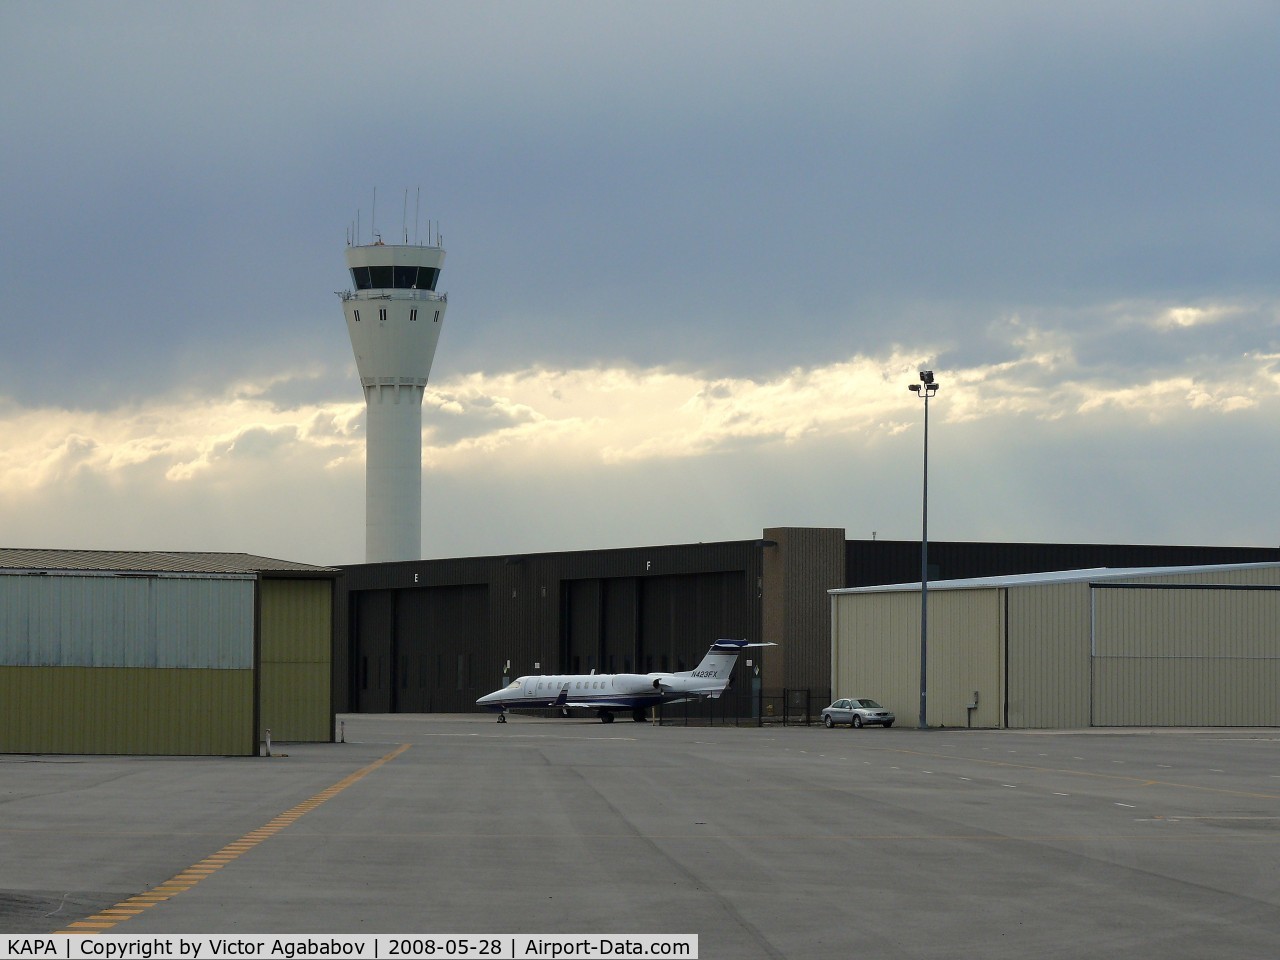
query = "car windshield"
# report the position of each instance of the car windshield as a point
(868, 703)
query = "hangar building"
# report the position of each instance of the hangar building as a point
(1163, 646)
(162, 653)
(433, 635)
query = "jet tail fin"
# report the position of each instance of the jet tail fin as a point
(711, 676)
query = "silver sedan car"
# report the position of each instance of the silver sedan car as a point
(857, 712)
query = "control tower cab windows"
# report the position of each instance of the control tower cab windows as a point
(395, 278)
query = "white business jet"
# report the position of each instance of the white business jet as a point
(610, 692)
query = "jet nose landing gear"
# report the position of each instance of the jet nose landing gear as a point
(606, 716)
(502, 716)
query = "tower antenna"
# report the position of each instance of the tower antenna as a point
(373, 216)
(417, 203)
(404, 216)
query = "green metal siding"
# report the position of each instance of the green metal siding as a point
(294, 664)
(126, 710)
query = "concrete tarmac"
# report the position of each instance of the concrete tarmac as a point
(796, 842)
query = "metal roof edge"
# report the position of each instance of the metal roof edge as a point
(1056, 576)
(21, 560)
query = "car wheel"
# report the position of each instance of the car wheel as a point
(829, 722)
(857, 720)
(888, 725)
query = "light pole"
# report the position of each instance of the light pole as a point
(925, 389)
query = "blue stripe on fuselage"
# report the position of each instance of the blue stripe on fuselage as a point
(586, 703)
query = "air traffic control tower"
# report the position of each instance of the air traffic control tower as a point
(394, 317)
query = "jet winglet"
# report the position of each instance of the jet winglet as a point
(733, 646)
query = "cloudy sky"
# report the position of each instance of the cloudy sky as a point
(696, 253)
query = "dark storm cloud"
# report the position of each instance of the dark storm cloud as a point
(721, 185)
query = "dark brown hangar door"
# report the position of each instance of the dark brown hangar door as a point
(414, 655)
(372, 646)
(439, 633)
(580, 624)
(620, 621)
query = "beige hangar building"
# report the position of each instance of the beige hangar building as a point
(125, 652)
(1166, 646)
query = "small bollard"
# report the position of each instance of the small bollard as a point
(342, 731)
(267, 742)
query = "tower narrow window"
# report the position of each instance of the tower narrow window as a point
(413, 315)
(437, 320)
(382, 314)
(357, 313)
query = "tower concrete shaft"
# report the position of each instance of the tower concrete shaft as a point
(394, 316)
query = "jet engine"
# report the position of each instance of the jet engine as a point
(634, 683)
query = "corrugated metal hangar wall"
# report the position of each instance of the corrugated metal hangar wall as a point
(137, 660)
(433, 635)
(1199, 647)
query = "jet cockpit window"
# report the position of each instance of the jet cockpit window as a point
(514, 685)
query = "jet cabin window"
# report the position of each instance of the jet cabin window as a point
(395, 278)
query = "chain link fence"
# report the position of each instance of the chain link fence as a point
(787, 707)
